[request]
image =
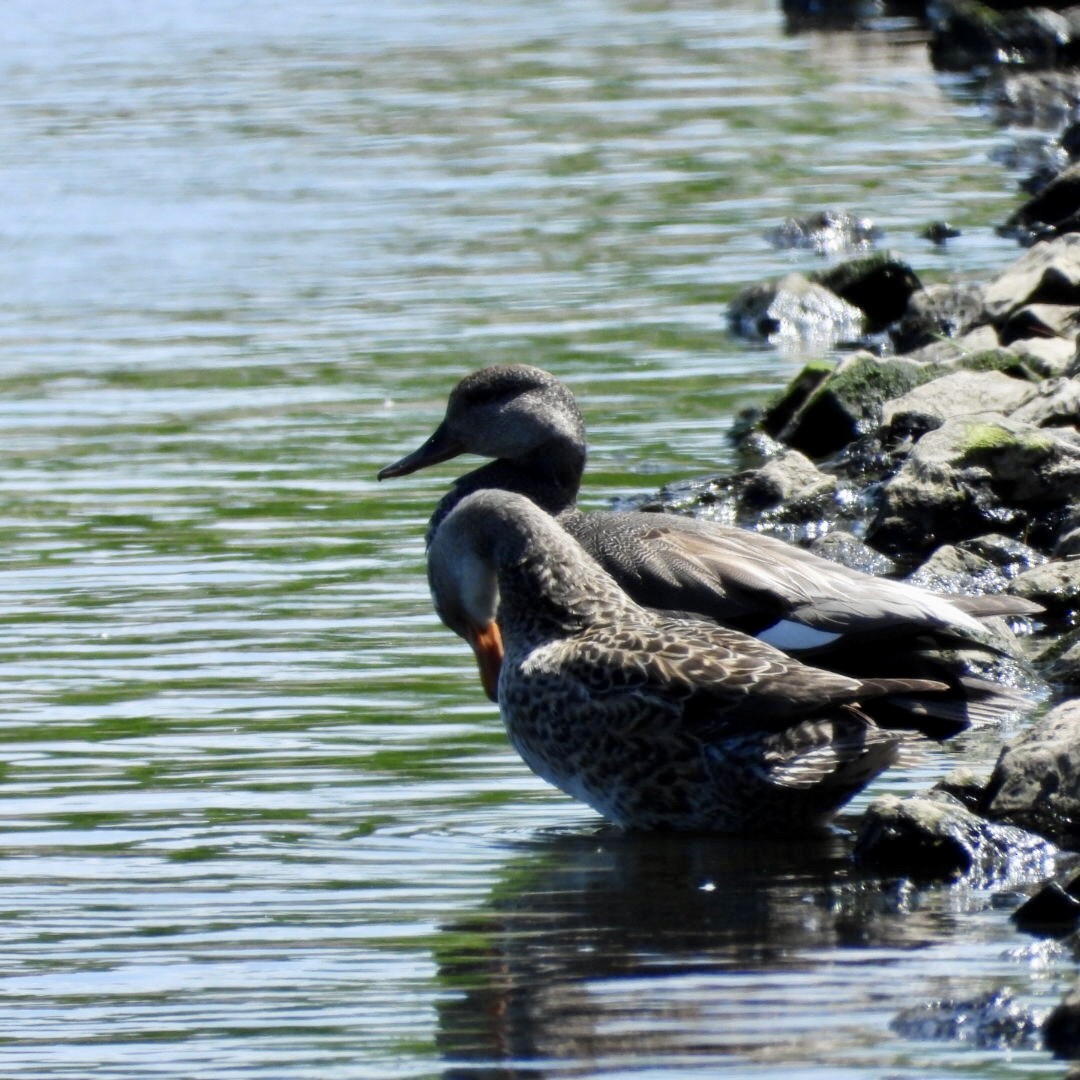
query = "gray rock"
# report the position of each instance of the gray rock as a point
(1054, 403)
(842, 547)
(795, 310)
(849, 398)
(992, 1021)
(960, 393)
(1061, 1029)
(939, 311)
(1046, 357)
(974, 475)
(936, 837)
(1036, 782)
(791, 480)
(1049, 273)
(826, 232)
(1055, 585)
(950, 569)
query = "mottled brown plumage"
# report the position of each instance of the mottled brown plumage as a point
(658, 722)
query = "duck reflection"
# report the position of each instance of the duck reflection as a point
(615, 947)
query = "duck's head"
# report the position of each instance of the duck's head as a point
(512, 412)
(464, 585)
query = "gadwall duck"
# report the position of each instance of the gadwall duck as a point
(529, 422)
(657, 722)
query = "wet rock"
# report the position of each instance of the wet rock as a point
(940, 232)
(1010, 556)
(1053, 911)
(950, 569)
(852, 393)
(966, 34)
(994, 1020)
(842, 547)
(1036, 99)
(936, 837)
(1055, 585)
(960, 393)
(1054, 210)
(792, 481)
(975, 475)
(826, 232)
(1036, 782)
(1061, 1029)
(795, 310)
(1047, 274)
(935, 312)
(1059, 663)
(880, 285)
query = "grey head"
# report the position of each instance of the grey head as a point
(524, 418)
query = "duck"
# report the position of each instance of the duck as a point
(529, 423)
(658, 722)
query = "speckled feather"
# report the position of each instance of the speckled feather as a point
(657, 722)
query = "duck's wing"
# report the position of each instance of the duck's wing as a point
(791, 598)
(717, 679)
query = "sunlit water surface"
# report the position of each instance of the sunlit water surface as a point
(259, 820)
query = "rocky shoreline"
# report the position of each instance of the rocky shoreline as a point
(944, 447)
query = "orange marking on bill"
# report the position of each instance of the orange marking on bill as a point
(486, 642)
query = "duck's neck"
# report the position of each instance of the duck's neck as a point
(550, 477)
(549, 587)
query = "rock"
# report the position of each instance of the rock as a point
(1054, 210)
(1047, 274)
(1039, 321)
(967, 34)
(974, 475)
(993, 1020)
(795, 311)
(960, 393)
(826, 232)
(1010, 556)
(842, 547)
(1046, 357)
(1055, 585)
(936, 837)
(792, 481)
(831, 415)
(1053, 911)
(938, 311)
(1036, 782)
(939, 232)
(880, 285)
(1056, 403)
(1061, 1029)
(953, 570)
(1036, 99)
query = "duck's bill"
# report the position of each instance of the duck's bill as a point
(442, 446)
(486, 642)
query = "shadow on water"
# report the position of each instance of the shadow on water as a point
(611, 948)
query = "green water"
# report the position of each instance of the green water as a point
(258, 819)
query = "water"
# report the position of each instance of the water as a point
(258, 819)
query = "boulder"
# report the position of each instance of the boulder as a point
(960, 393)
(1035, 784)
(826, 232)
(974, 475)
(795, 310)
(936, 837)
(1055, 585)
(1047, 274)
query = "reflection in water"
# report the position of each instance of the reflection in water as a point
(602, 948)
